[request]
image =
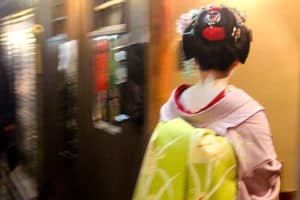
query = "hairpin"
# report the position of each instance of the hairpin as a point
(236, 33)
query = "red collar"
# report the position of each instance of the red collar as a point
(179, 105)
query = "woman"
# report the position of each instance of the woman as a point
(218, 40)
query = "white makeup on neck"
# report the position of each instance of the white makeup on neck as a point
(203, 92)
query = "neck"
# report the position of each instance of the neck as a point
(211, 83)
(213, 73)
(200, 94)
(214, 78)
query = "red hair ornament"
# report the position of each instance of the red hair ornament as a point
(214, 8)
(214, 33)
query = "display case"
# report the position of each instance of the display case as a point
(110, 17)
(58, 17)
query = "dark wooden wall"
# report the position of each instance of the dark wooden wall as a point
(108, 165)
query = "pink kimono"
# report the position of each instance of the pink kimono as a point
(238, 117)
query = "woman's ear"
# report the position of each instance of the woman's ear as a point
(235, 63)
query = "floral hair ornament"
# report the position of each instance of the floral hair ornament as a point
(186, 19)
(190, 17)
(241, 19)
(212, 18)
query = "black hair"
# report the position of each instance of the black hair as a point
(217, 54)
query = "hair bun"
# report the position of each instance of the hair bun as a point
(217, 25)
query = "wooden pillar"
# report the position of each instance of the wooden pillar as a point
(161, 58)
(73, 9)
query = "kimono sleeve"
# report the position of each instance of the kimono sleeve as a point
(258, 167)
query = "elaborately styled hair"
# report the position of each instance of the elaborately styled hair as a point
(216, 37)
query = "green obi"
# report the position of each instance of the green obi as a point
(187, 163)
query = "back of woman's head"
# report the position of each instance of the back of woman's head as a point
(216, 38)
